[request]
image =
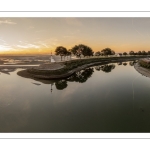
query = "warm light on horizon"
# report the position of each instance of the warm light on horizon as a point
(43, 35)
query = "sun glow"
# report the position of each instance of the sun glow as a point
(4, 48)
(42, 35)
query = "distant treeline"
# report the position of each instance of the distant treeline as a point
(85, 50)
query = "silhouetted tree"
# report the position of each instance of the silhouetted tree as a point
(131, 52)
(148, 53)
(97, 53)
(125, 53)
(81, 49)
(144, 53)
(107, 51)
(68, 53)
(60, 50)
(139, 53)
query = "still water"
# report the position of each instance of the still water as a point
(108, 98)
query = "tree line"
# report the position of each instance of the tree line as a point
(85, 50)
(77, 50)
(81, 49)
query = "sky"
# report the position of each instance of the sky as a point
(43, 35)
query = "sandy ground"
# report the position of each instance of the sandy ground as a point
(141, 70)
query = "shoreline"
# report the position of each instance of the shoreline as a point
(26, 74)
(143, 71)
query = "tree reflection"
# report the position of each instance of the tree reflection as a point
(124, 63)
(98, 68)
(61, 84)
(108, 68)
(131, 63)
(81, 76)
(119, 63)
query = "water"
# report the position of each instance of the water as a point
(112, 98)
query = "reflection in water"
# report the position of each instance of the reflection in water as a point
(98, 68)
(131, 63)
(81, 76)
(119, 63)
(36, 83)
(116, 102)
(7, 71)
(124, 63)
(61, 84)
(105, 68)
(108, 68)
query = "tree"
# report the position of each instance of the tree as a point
(97, 53)
(139, 53)
(148, 53)
(107, 51)
(131, 52)
(60, 50)
(120, 54)
(144, 53)
(125, 53)
(69, 53)
(81, 49)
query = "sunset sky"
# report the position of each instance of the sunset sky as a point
(43, 35)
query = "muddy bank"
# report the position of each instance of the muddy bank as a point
(142, 70)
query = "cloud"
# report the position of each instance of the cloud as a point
(45, 45)
(28, 46)
(21, 46)
(7, 22)
(2, 41)
(48, 43)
